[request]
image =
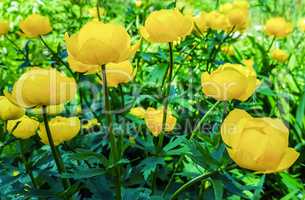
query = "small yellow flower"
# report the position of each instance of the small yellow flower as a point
(217, 21)
(138, 3)
(62, 129)
(154, 119)
(166, 26)
(117, 73)
(4, 27)
(98, 44)
(201, 22)
(138, 112)
(8, 110)
(230, 81)
(25, 129)
(15, 173)
(90, 123)
(259, 144)
(279, 55)
(228, 50)
(278, 27)
(35, 25)
(302, 24)
(42, 87)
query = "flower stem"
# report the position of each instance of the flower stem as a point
(273, 39)
(199, 178)
(115, 155)
(98, 9)
(57, 157)
(27, 165)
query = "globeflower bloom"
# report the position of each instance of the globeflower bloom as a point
(201, 22)
(259, 144)
(279, 55)
(278, 27)
(4, 27)
(35, 25)
(154, 119)
(98, 44)
(138, 112)
(230, 81)
(25, 127)
(62, 129)
(9, 111)
(165, 26)
(218, 21)
(42, 87)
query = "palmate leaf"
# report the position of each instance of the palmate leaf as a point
(148, 165)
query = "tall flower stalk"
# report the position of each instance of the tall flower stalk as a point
(114, 154)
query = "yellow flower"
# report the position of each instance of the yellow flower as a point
(279, 55)
(15, 173)
(259, 144)
(51, 110)
(138, 3)
(62, 129)
(230, 81)
(301, 24)
(154, 119)
(35, 25)
(9, 111)
(26, 127)
(119, 73)
(278, 27)
(201, 22)
(93, 12)
(228, 50)
(166, 26)
(42, 87)
(138, 112)
(4, 27)
(98, 43)
(91, 123)
(217, 21)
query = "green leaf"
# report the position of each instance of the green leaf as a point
(259, 189)
(218, 187)
(149, 165)
(301, 110)
(84, 173)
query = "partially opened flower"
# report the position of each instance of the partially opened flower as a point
(278, 27)
(22, 128)
(98, 43)
(62, 129)
(301, 24)
(138, 112)
(154, 119)
(42, 87)
(279, 55)
(4, 27)
(259, 144)
(118, 73)
(165, 26)
(35, 25)
(230, 81)
(8, 110)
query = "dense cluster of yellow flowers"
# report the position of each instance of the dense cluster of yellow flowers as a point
(259, 144)
(229, 17)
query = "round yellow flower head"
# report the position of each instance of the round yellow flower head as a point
(25, 127)
(259, 144)
(118, 73)
(166, 26)
(62, 129)
(8, 110)
(217, 21)
(201, 22)
(238, 19)
(4, 27)
(138, 3)
(278, 27)
(228, 50)
(279, 55)
(35, 25)
(230, 81)
(154, 119)
(302, 24)
(42, 87)
(98, 44)
(138, 112)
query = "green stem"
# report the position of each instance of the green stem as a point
(197, 179)
(98, 9)
(16, 46)
(166, 96)
(57, 58)
(114, 153)
(27, 165)
(122, 96)
(57, 157)
(273, 39)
